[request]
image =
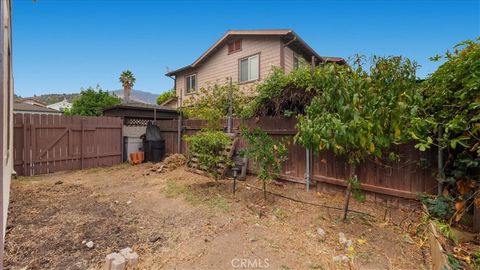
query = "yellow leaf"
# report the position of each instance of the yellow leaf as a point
(372, 147)
(361, 241)
(397, 132)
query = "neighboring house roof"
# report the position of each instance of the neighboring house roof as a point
(26, 107)
(64, 104)
(290, 38)
(139, 105)
(31, 101)
(170, 102)
(140, 110)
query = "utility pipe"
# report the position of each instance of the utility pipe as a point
(179, 123)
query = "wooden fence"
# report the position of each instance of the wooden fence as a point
(50, 143)
(414, 173)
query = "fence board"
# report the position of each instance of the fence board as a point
(401, 179)
(51, 143)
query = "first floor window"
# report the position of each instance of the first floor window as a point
(191, 83)
(249, 68)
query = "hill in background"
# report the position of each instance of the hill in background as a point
(136, 95)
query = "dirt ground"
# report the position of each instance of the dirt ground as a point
(181, 220)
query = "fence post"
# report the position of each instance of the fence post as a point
(441, 174)
(179, 124)
(230, 100)
(82, 143)
(308, 156)
(24, 144)
(308, 168)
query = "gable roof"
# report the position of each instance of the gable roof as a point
(289, 38)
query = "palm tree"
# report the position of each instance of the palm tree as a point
(128, 80)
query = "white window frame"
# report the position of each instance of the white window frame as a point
(257, 55)
(188, 79)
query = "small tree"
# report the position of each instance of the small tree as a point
(165, 96)
(91, 102)
(128, 80)
(357, 113)
(266, 153)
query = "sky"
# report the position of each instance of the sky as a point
(61, 46)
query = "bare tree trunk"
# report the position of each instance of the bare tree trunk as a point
(348, 192)
(126, 94)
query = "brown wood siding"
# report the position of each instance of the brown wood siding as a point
(50, 143)
(288, 62)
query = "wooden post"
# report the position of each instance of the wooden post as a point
(476, 219)
(179, 124)
(230, 105)
(24, 144)
(441, 174)
(82, 143)
(308, 168)
(308, 152)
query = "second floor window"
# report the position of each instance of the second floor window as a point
(235, 46)
(249, 68)
(191, 83)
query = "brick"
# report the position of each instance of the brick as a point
(118, 263)
(130, 256)
(108, 260)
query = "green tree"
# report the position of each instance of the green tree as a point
(165, 96)
(266, 153)
(358, 113)
(91, 102)
(128, 80)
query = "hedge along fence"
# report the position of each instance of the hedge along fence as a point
(414, 173)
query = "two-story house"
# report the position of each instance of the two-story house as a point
(247, 57)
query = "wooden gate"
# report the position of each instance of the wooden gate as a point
(50, 143)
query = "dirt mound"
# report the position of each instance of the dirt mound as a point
(170, 163)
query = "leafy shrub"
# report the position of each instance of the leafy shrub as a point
(267, 154)
(283, 94)
(212, 104)
(208, 146)
(165, 96)
(449, 118)
(441, 207)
